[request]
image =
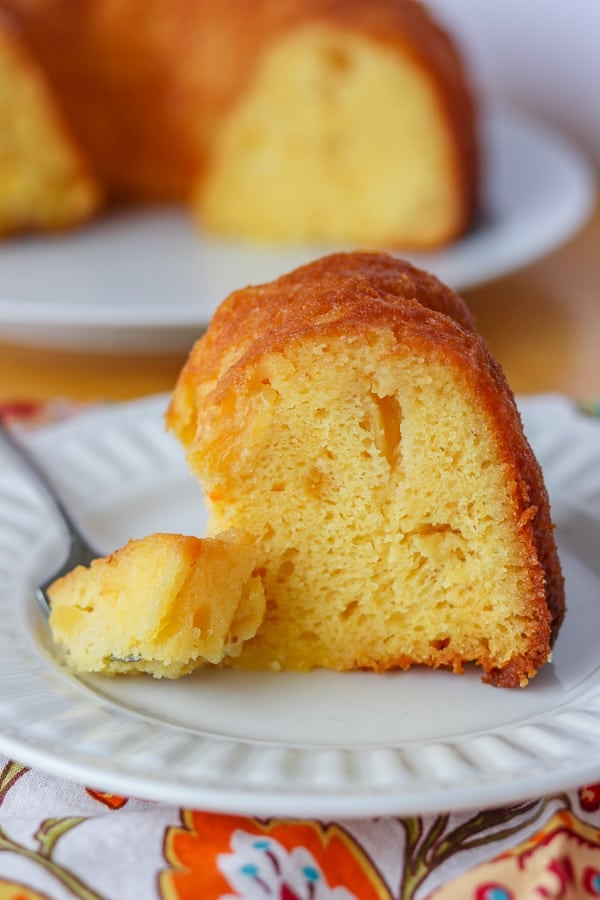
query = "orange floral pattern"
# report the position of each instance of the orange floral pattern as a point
(113, 801)
(213, 856)
(10, 890)
(560, 861)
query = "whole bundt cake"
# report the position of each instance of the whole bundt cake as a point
(351, 419)
(303, 120)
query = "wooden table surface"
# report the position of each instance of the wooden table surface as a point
(542, 324)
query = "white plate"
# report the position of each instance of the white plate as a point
(150, 280)
(320, 744)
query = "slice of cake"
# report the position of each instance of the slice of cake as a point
(164, 604)
(44, 182)
(349, 416)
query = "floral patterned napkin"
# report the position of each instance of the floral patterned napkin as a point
(61, 840)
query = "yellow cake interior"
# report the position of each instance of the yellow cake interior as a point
(374, 484)
(164, 604)
(311, 152)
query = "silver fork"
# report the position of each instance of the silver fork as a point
(79, 550)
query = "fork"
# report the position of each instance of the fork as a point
(80, 551)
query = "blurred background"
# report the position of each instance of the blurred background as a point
(541, 55)
(543, 321)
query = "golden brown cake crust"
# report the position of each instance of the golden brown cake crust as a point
(253, 319)
(163, 81)
(354, 294)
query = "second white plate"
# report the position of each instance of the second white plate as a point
(150, 280)
(322, 744)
